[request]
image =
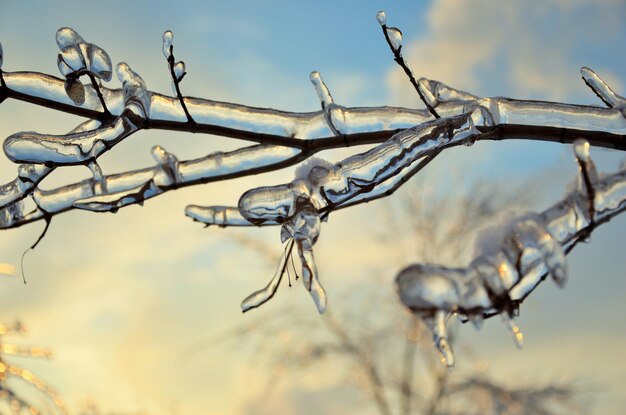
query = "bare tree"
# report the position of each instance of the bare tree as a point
(407, 140)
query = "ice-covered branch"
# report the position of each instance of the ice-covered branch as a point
(139, 185)
(515, 260)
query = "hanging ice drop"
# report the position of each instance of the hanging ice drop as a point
(168, 38)
(395, 37)
(381, 17)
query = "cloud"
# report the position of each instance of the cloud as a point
(526, 49)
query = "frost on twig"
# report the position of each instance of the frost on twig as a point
(526, 251)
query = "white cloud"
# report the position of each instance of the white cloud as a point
(525, 49)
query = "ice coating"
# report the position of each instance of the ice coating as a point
(69, 149)
(381, 17)
(501, 117)
(531, 248)
(179, 70)
(169, 172)
(168, 39)
(261, 296)
(136, 97)
(78, 57)
(357, 174)
(395, 38)
(302, 229)
(219, 215)
(322, 90)
(602, 90)
(136, 186)
(314, 126)
(66, 36)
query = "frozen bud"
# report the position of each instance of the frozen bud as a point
(381, 17)
(581, 149)
(395, 38)
(168, 47)
(320, 87)
(78, 57)
(179, 70)
(99, 63)
(67, 36)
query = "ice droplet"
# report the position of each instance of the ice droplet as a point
(395, 38)
(518, 337)
(179, 70)
(168, 38)
(320, 87)
(67, 36)
(381, 17)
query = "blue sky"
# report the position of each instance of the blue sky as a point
(118, 297)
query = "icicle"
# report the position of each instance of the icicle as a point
(304, 228)
(261, 296)
(168, 47)
(395, 38)
(1, 55)
(437, 326)
(381, 17)
(516, 333)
